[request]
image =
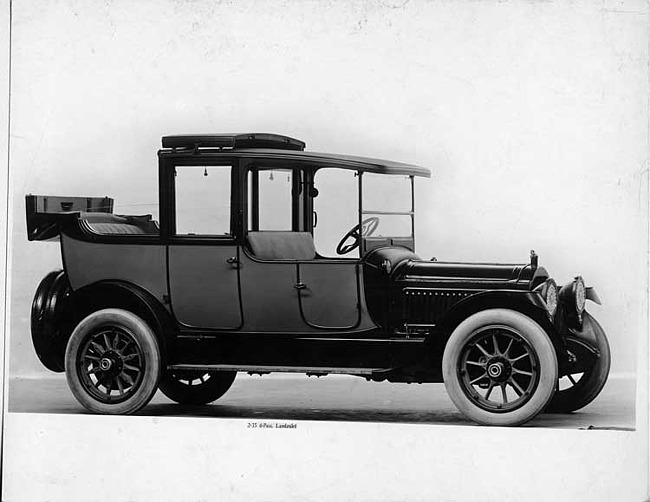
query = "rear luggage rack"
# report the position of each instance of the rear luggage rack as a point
(45, 213)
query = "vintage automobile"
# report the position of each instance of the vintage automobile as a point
(238, 269)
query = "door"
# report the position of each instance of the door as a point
(203, 262)
(331, 297)
(268, 273)
(329, 293)
(204, 286)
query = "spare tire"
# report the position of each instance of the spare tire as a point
(49, 342)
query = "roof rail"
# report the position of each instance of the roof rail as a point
(235, 141)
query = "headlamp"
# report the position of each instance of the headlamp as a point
(580, 292)
(573, 296)
(548, 290)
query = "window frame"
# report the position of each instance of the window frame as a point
(168, 199)
(314, 182)
(252, 174)
(301, 174)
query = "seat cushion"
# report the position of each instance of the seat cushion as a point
(116, 228)
(108, 223)
(276, 245)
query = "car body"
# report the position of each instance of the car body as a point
(238, 272)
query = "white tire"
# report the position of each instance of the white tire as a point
(112, 362)
(500, 368)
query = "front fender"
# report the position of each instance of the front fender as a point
(588, 332)
(528, 303)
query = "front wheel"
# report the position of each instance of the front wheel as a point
(196, 387)
(499, 368)
(112, 362)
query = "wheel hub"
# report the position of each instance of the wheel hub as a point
(111, 363)
(498, 369)
(495, 370)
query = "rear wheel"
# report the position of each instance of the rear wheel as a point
(499, 368)
(196, 387)
(582, 385)
(112, 362)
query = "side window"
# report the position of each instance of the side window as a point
(202, 200)
(274, 199)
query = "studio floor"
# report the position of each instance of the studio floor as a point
(335, 398)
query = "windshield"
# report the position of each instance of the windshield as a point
(388, 198)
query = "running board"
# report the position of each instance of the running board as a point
(310, 370)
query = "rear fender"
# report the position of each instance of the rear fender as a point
(127, 296)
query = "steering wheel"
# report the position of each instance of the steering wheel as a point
(368, 227)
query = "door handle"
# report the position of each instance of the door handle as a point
(232, 259)
(300, 285)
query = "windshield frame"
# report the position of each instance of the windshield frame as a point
(408, 241)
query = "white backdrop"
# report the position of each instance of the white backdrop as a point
(532, 116)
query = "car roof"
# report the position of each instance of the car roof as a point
(357, 163)
(233, 140)
(278, 147)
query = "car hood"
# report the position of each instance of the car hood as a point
(406, 267)
(491, 275)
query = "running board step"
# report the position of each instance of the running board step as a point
(310, 370)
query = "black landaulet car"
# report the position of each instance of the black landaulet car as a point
(239, 269)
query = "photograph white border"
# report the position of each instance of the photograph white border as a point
(64, 457)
